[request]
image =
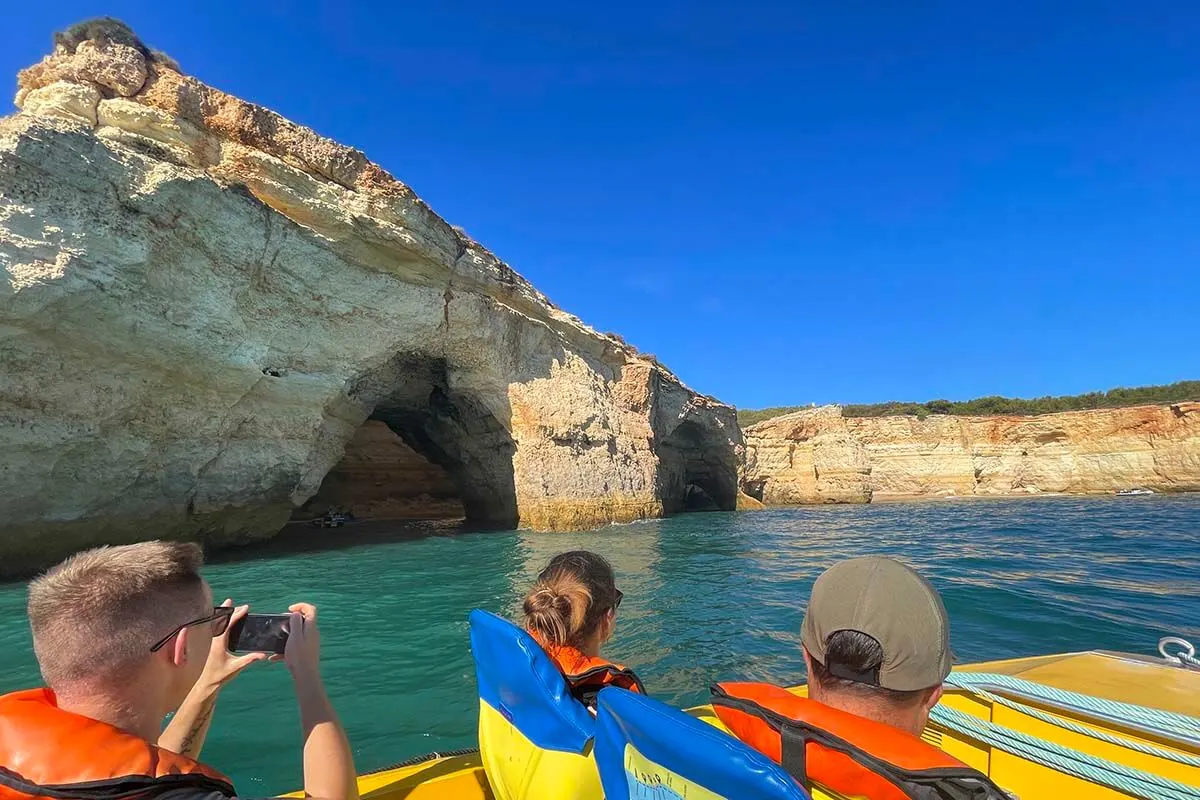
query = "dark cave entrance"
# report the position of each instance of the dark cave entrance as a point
(381, 476)
(427, 451)
(695, 498)
(755, 488)
(697, 471)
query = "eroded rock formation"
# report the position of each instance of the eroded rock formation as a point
(819, 456)
(204, 302)
(807, 457)
(382, 477)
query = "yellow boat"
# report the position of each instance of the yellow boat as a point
(988, 719)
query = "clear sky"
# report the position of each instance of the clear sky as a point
(787, 202)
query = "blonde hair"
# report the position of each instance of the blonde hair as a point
(96, 615)
(570, 598)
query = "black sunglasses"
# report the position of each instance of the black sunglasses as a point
(219, 618)
(620, 596)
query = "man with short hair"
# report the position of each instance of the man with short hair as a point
(123, 636)
(876, 642)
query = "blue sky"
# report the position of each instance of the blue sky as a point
(786, 202)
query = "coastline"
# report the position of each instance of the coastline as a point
(885, 499)
(906, 499)
(820, 455)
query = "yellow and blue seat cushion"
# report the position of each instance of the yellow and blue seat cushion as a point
(646, 750)
(535, 739)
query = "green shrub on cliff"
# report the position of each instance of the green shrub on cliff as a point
(995, 405)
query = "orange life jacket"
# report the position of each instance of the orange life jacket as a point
(48, 752)
(587, 675)
(843, 752)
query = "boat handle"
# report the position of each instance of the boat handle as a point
(1185, 656)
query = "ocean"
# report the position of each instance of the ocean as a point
(707, 597)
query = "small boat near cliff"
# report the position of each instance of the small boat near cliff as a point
(1099, 725)
(1134, 492)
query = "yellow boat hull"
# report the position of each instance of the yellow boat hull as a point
(1112, 676)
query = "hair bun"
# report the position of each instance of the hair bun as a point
(557, 608)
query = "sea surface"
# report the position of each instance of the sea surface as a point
(707, 597)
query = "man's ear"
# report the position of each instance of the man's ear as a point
(935, 694)
(814, 692)
(179, 655)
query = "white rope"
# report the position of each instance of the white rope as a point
(1185, 657)
(1099, 771)
(1165, 723)
(1132, 744)
(1138, 783)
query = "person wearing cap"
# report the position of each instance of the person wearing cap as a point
(876, 642)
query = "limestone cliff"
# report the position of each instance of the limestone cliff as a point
(204, 303)
(819, 456)
(807, 457)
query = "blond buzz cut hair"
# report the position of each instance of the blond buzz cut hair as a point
(96, 615)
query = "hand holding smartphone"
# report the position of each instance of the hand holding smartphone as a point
(259, 633)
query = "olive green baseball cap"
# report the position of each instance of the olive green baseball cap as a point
(892, 604)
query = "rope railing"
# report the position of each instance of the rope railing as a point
(1094, 733)
(1136, 782)
(1164, 723)
(1100, 771)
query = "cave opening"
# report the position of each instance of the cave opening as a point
(697, 471)
(696, 498)
(427, 451)
(381, 476)
(755, 488)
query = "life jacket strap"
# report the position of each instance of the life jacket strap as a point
(957, 782)
(587, 684)
(142, 786)
(793, 758)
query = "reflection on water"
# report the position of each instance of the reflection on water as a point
(707, 597)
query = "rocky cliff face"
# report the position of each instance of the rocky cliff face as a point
(819, 456)
(203, 303)
(807, 457)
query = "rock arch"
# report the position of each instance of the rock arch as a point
(453, 429)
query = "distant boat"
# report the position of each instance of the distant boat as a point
(1132, 492)
(332, 519)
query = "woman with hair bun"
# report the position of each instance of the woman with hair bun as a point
(571, 611)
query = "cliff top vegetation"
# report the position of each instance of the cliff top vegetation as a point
(995, 405)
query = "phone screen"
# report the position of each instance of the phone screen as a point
(259, 633)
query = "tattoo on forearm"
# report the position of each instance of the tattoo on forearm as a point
(199, 725)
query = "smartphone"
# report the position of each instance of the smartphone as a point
(259, 633)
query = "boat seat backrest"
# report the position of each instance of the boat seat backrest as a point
(645, 749)
(535, 739)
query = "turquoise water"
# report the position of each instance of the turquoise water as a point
(707, 596)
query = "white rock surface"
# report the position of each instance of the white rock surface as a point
(203, 302)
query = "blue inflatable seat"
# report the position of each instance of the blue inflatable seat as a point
(535, 739)
(646, 750)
